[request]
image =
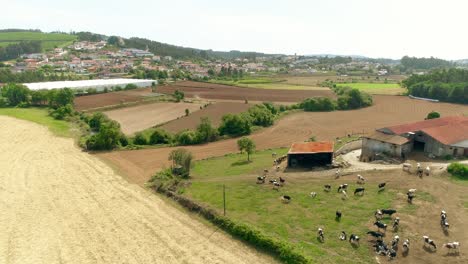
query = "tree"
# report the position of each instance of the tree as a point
(60, 97)
(16, 93)
(187, 137)
(179, 95)
(140, 139)
(108, 137)
(235, 125)
(187, 111)
(96, 120)
(183, 158)
(433, 115)
(160, 136)
(205, 131)
(261, 116)
(245, 144)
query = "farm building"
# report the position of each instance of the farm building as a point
(99, 85)
(447, 136)
(310, 154)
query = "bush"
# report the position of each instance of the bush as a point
(15, 93)
(96, 120)
(130, 86)
(187, 137)
(182, 157)
(433, 115)
(140, 139)
(205, 131)
(62, 112)
(179, 95)
(261, 116)
(318, 104)
(235, 125)
(108, 137)
(459, 170)
(160, 137)
(123, 140)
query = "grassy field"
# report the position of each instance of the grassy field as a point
(39, 116)
(260, 206)
(49, 40)
(376, 88)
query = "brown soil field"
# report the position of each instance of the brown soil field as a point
(139, 165)
(61, 205)
(213, 111)
(213, 91)
(108, 99)
(315, 80)
(138, 118)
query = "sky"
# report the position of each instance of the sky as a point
(373, 28)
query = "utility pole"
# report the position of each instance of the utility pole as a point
(224, 199)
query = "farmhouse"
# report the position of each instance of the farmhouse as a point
(310, 154)
(447, 136)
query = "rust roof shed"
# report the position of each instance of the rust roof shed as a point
(311, 147)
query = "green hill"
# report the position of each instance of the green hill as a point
(48, 40)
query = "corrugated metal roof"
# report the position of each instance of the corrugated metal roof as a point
(392, 139)
(311, 147)
(447, 130)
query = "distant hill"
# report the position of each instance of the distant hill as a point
(48, 40)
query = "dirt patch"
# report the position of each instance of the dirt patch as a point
(138, 118)
(213, 91)
(107, 99)
(387, 111)
(214, 112)
(60, 205)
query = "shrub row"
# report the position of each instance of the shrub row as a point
(458, 169)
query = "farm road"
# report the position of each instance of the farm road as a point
(60, 205)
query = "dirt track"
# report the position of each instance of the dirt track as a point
(60, 205)
(387, 110)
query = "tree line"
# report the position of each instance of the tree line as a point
(450, 85)
(409, 63)
(15, 50)
(7, 76)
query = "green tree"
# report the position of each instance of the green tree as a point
(205, 131)
(187, 137)
(108, 137)
(235, 125)
(246, 145)
(16, 93)
(187, 111)
(140, 139)
(261, 116)
(433, 115)
(60, 97)
(179, 95)
(160, 136)
(183, 158)
(96, 120)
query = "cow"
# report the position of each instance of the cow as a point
(381, 225)
(378, 214)
(430, 242)
(327, 187)
(382, 186)
(375, 234)
(445, 225)
(428, 171)
(320, 235)
(261, 179)
(313, 194)
(388, 211)
(337, 174)
(453, 246)
(395, 241)
(342, 187)
(410, 196)
(407, 167)
(354, 239)
(359, 190)
(338, 215)
(286, 198)
(406, 245)
(343, 235)
(360, 180)
(276, 186)
(282, 181)
(391, 254)
(396, 224)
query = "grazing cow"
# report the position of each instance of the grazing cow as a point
(342, 187)
(337, 174)
(375, 234)
(420, 172)
(430, 242)
(388, 211)
(276, 186)
(381, 248)
(395, 241)
(445, 225)
(286, 198)
(382, 186)
(360, 179)
(282, 181)
(313, 194)
(278, 168)
(412, 190)
(344, 195)
(327, 187)
(391, 254)
(406, 245)
(320, 235)
(410, 197)
(378, 214)
(453, 246)
(273, 155)
(418, 165)
(359, 190)
(260, 179)
(343, 235)
(338, 215)
(381, 225)
(272, 181)
(428, 171)
(396, 224)
(354, 239)
(407, 167)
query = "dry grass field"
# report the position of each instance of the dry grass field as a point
(386, 111)
(138, 118)
(61, 205)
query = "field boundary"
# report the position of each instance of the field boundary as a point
(279, 249)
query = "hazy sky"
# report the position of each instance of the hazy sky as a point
(374, 28)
